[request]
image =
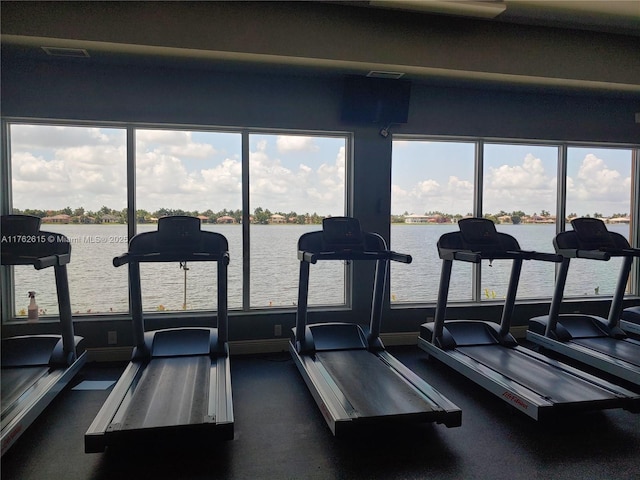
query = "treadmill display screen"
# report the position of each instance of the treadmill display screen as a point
(342, 232)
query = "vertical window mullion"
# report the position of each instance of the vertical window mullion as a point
(561, 200)
(634, 217)
(6, 274)
(246, 257)
(131, 182)
(476, 269)
(131, 190)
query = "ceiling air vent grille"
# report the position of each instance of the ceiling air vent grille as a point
(383, 74)
(66, 52)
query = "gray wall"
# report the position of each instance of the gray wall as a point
(128, 90)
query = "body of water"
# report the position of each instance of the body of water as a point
(96, 286)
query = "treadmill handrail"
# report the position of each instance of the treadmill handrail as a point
(588, 254)
(476, 257)
(172, 256)
(313, 257)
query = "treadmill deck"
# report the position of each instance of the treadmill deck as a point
(370, 386)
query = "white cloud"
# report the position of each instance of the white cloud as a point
(175, 169)
(526, 186)
(296, 143)
(598, 188)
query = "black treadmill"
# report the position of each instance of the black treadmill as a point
(351, 376)
(488, 354)
(177, 386)
(590, 339)
(35, 368)
(630, 320)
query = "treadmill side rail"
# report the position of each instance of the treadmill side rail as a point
(44, 391)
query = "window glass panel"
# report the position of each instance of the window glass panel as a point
(74, 178)
(519, 195)
(598, 185)
(432, 188)
(295, 181)
(190, 173)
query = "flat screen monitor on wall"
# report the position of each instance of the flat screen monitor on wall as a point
(381, 101)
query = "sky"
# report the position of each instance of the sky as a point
(438, 176)
(58, 166)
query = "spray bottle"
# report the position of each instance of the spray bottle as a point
(32, 310)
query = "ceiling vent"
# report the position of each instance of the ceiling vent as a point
(66, 52)
(383, 74)
(468, 8)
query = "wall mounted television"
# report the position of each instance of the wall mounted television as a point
(371, 100)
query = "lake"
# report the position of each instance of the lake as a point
(96, 286)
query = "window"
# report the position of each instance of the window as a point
(184, 172)
(433, 185)
(295, 181)
(74, 178)
(598, 185)
(519, 195)
(432, 188)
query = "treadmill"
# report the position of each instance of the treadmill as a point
(35, 368)
(351, 376)
(177, 386)
(488, 354)
(630, 320)
(590, 339)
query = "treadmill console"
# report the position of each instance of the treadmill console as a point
(479, 234)
(20, 225)
(592, 234)
(178, 228)
(342, 233)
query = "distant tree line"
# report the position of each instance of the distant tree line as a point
(109, 215)
(263, 216)
(516, 217)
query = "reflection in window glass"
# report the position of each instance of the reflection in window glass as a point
(519, 195)
(431, 189)
(198, 174)
(74, 178)
(295, 181)
(598, 185)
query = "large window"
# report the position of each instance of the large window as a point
(436, 182)
(295, 181)
(261, 197)
(74, 178)
(598, 185)
(180, 172)
(432, 188)
(519, 194)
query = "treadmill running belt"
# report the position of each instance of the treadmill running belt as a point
(370, 385)
(171, 391)
(557, 385)
(16, 381)
(620, 349)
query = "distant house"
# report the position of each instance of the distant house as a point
(225, 219)
(108, 218)
(275, 218)
(62, 218)
(435, 218)
(618, 220)
(203, 219)
(505, 219)
(541, 219)
(415, 218)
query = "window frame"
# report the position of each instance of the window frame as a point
(8, 308)
(561, 198)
